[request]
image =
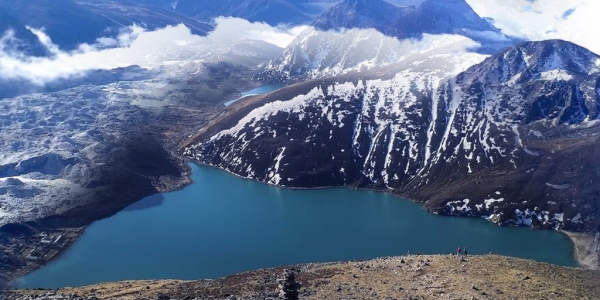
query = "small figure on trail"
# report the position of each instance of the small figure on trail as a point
(458, 251)
(465, 251)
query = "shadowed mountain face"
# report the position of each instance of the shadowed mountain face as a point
(431, 16)
(272, 12)
(146, 15)
(359, 34)
(70, 23)
(22, 40)
(165, 4)
(58, 18)
(512, 137)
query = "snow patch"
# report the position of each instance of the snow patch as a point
(489, 202)
(558, 74)
(558, 186)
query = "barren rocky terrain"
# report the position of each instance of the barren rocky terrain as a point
(407, 277)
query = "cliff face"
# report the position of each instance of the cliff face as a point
(511, 138)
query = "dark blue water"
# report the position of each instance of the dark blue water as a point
(257, 91)
(223, 224)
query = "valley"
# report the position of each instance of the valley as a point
(427, 101)
(249, 225)
(83, 153)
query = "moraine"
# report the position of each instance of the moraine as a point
(223, 224)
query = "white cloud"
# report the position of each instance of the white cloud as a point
(572, 20)
(235, 28)
(133, 46)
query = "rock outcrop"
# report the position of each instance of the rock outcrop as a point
(407, 277)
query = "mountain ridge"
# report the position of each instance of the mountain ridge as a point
(464, 144)
(357, 35)
(272, 12)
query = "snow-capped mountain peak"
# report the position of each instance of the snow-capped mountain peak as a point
(553, 60)
(360, 14)
(359, 34)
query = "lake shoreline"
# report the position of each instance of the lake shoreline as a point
(577, 239)
(586, 249)
(78, 232)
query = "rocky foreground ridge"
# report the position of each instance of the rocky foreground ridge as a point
(512, 138)
(407, 277)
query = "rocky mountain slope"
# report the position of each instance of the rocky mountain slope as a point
(356, 35)
(142, 14)
(511, 138)
(272, 12)
(407, 277)
(57, 142)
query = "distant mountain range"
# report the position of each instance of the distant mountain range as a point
(273, 12)
(70, 23)
(106, 18)
(359, 34)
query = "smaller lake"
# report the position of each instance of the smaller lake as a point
(222, 224)
(257, 91)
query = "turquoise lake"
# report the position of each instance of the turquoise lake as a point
(222, 224)
(257, 91)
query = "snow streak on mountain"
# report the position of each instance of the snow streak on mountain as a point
(511, 138)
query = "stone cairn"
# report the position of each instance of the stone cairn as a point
(288, 287)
